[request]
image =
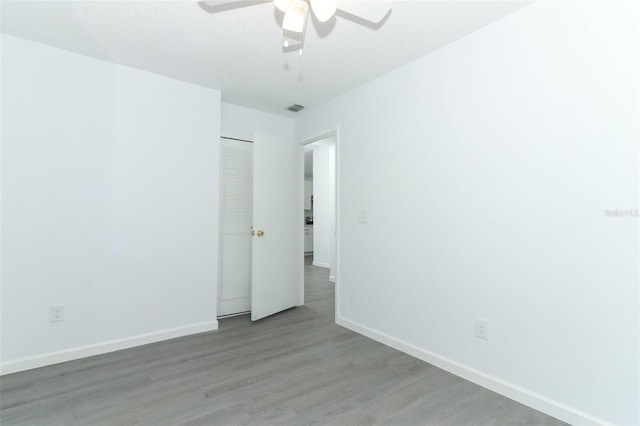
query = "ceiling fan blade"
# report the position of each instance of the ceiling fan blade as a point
(369, 10)
(220, 5)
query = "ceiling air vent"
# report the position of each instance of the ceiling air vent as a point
(295, 107)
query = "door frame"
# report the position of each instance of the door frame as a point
(315, 137)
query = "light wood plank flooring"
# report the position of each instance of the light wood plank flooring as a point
(294, 368)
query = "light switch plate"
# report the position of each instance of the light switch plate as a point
(363, 216)
(56, 313)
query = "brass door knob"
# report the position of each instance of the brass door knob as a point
(259, 233)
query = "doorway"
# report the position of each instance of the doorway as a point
(279, 158)
(259, 236)
(319, 215)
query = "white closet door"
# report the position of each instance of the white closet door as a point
(234, 294)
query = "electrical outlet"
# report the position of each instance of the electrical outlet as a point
(482, 328)
(56, 313)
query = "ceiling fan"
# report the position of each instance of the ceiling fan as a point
(297, 11)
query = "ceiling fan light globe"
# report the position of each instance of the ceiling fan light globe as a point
(294, 20)
(286, 5)
(323, 9)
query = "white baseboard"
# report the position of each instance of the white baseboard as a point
(104, 347)
(332, 279)
(320, 264)
(517, 393)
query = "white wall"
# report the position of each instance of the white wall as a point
(110, 204)
(240, 122)
(324, 204)
(486, 168)
(322, 226)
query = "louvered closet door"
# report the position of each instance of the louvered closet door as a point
(234, 294)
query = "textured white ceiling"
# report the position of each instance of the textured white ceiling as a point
(239, 51)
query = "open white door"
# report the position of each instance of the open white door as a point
(276, 218)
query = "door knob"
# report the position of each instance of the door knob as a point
(259, 233)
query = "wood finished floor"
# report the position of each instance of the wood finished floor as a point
(294, 368)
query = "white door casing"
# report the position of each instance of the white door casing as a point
(276, 254)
